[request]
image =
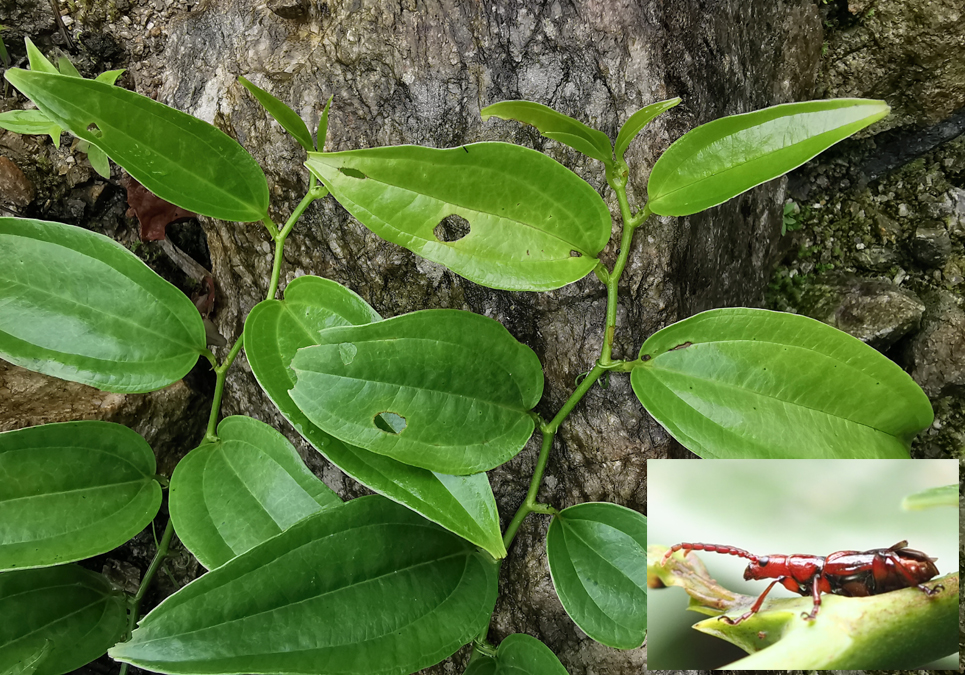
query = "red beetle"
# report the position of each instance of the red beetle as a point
(849, 573)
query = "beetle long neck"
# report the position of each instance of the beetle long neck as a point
(713, 548)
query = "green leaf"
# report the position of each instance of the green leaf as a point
(231, 495)
(721, 159)
(65, 67)
(73, 490)
(79, 306)
(276, 329)
(322, 132)
(30, 122)
(749, 383)
(285, 116)
(556, 126)
(98, 160)
(38, 61)
(178, 157)
(534, 225)
(518, 654)
(637, 121)
(597, 558)
(109, 76)
(29, 665)
(947, 495)
(68, 611)
(369, 588)
(482, 665)
(461, 382)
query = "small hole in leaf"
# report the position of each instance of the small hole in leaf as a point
(575, 254)
(390, 422)
(452, 228)
(352, 173)
(94, 129)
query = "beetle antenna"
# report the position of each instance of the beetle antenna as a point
(713, 548)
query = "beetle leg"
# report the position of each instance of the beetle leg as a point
(754, 608)
(931, 591)
(816, 596)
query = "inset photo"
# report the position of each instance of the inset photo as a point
(802, 564)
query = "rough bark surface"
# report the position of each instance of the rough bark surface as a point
(418, 71)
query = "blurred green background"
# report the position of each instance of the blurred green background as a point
(781, 506)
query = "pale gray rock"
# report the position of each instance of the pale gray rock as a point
(936, 356)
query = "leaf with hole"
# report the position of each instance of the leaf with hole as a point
(637, 121)
(30, 122)
(71, 491)
(285, 116)
(368, 588)
(518, 654)
(461, 383)
(276, 329)
(721, 159)
(534, 225)
(178, 157)
(556, 126)
(750, 383)
(64, 616)
(228, 496)
(598, 561)
(79, 306)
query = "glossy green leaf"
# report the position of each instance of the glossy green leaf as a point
(749, 383)
(598, 561)
(637, 121)
(110, 76)
(229, 496)
(482, 665)
(368, 588)
(463, 385)
(322, 133)
(37, 60)
(518, 654)
(98, 160)
(65, 67)
(556, 126)
(178, 157)
(73, 490)
(29, 665)
(534, 225)
(79, 306)
(30, 122)
(721, 159)
(276, 329)
(65, 615)
(285, 116)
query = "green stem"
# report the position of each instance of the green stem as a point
(630, 224)
(135, 609)
(221, 373)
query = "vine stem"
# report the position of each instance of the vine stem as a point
(135, 602)
(611, 279)
(279, 236)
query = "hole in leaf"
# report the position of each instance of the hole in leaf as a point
(94, 129)
(390, 422)
(451, 228)
(352, 173)
(575, 254)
